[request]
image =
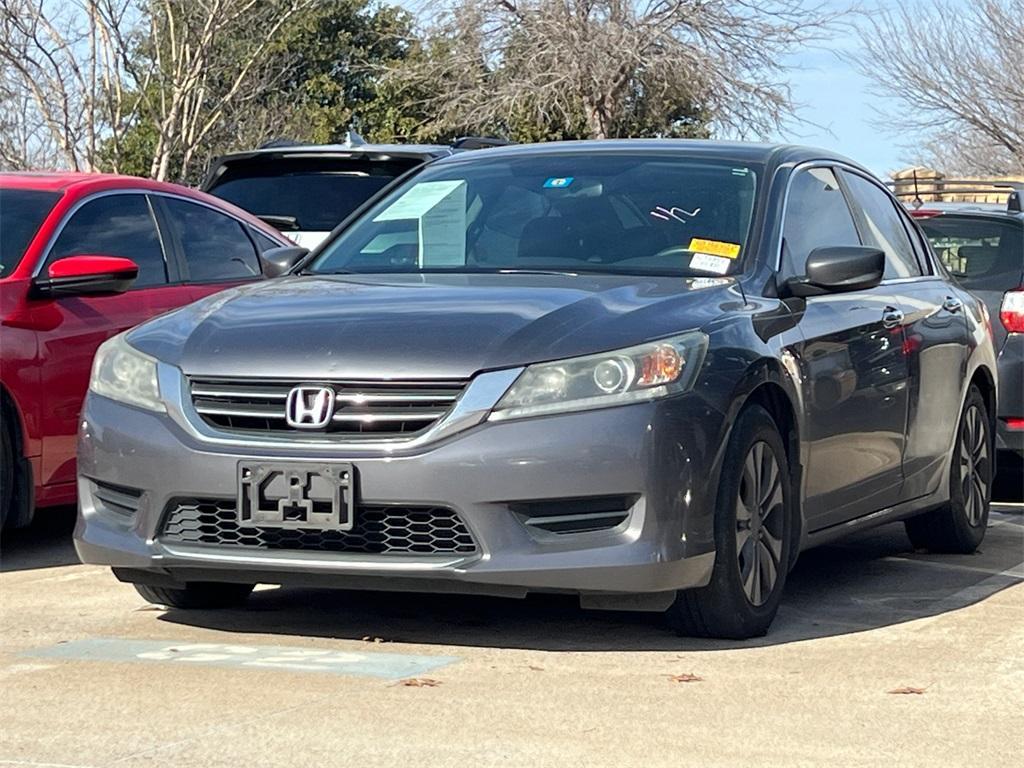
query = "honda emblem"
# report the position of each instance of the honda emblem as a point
(309, 407)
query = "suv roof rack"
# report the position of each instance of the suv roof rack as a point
(479, 142)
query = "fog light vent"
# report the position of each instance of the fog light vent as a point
(118, 499)
(575, 515)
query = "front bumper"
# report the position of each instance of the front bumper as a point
(662, 454)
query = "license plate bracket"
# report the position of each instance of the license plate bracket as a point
(296, 495)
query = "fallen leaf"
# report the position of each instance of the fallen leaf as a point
(420, 682)
(686, 677)
(907, 689)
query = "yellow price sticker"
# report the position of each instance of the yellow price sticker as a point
(715, 247)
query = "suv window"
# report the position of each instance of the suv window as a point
(115, 225)
(883, 227)
(981, 252)
(305, 194)
(216, 246)
(816, 216)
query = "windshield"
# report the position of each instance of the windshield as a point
(980, 252)
(613, 213)
(305, 194)
(21, 213)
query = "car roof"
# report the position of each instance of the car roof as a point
(80, 184)
(769, 154)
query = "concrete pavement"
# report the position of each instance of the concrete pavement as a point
(519, 683)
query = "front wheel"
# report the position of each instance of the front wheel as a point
(959, 526)
(753, 537)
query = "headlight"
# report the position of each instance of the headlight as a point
(122, 373)
(644, 372)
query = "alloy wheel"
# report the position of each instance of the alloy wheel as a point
(975, 474)
(760, 523)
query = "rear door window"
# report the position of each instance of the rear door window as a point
(883, 227)
(305, 194)
(216, 246)
(115, 225)
(817, 216)
(983, 253)
(22, 211)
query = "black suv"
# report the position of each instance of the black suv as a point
(983, 247)
(305, 190)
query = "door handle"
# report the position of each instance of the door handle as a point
(952, 304)
(892, 317)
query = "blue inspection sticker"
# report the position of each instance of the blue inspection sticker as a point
(558, 182)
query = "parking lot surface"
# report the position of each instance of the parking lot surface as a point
(879, 655)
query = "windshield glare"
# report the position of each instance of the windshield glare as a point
(628, 214)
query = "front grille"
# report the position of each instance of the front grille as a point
(378, 530)
(361, 408)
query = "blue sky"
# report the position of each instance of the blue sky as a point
(840, 112)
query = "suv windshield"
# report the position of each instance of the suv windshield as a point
(21, 213)
(304, 194)
(981, 252)
(615, 213)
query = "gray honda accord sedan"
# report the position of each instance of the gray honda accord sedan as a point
(647, 373)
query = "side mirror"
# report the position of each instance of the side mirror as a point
(86, 275)
(838, 269)
(280, 261)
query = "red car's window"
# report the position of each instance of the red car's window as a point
(22, 211)
(216, 246)
(115, 225)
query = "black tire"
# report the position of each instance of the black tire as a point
(6, 476)
(196, 595)
(958, 527)
(725, 608)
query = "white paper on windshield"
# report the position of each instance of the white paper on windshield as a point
(440, 210)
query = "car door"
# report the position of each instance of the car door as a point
(72, 327)
(935, 333)
(854, 375)
(216, 250)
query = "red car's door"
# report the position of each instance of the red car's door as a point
(71, 328)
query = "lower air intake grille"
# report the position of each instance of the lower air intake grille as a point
(378, 530)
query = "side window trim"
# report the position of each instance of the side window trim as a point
(80, 204)
(172, 248)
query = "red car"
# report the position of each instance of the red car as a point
(83, 257)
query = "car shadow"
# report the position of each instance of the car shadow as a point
(44, 544)
(868, 581)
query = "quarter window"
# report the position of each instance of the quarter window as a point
(883, 227)
(115, 225)
(216, 246)
(817, 216)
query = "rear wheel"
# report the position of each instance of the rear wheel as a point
(753, 526)
(959, 526)
(196, 595)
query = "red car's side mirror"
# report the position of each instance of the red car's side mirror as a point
(86, 275)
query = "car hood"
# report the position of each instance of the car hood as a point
(424, 326)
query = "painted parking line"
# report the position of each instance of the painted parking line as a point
(390, 666)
